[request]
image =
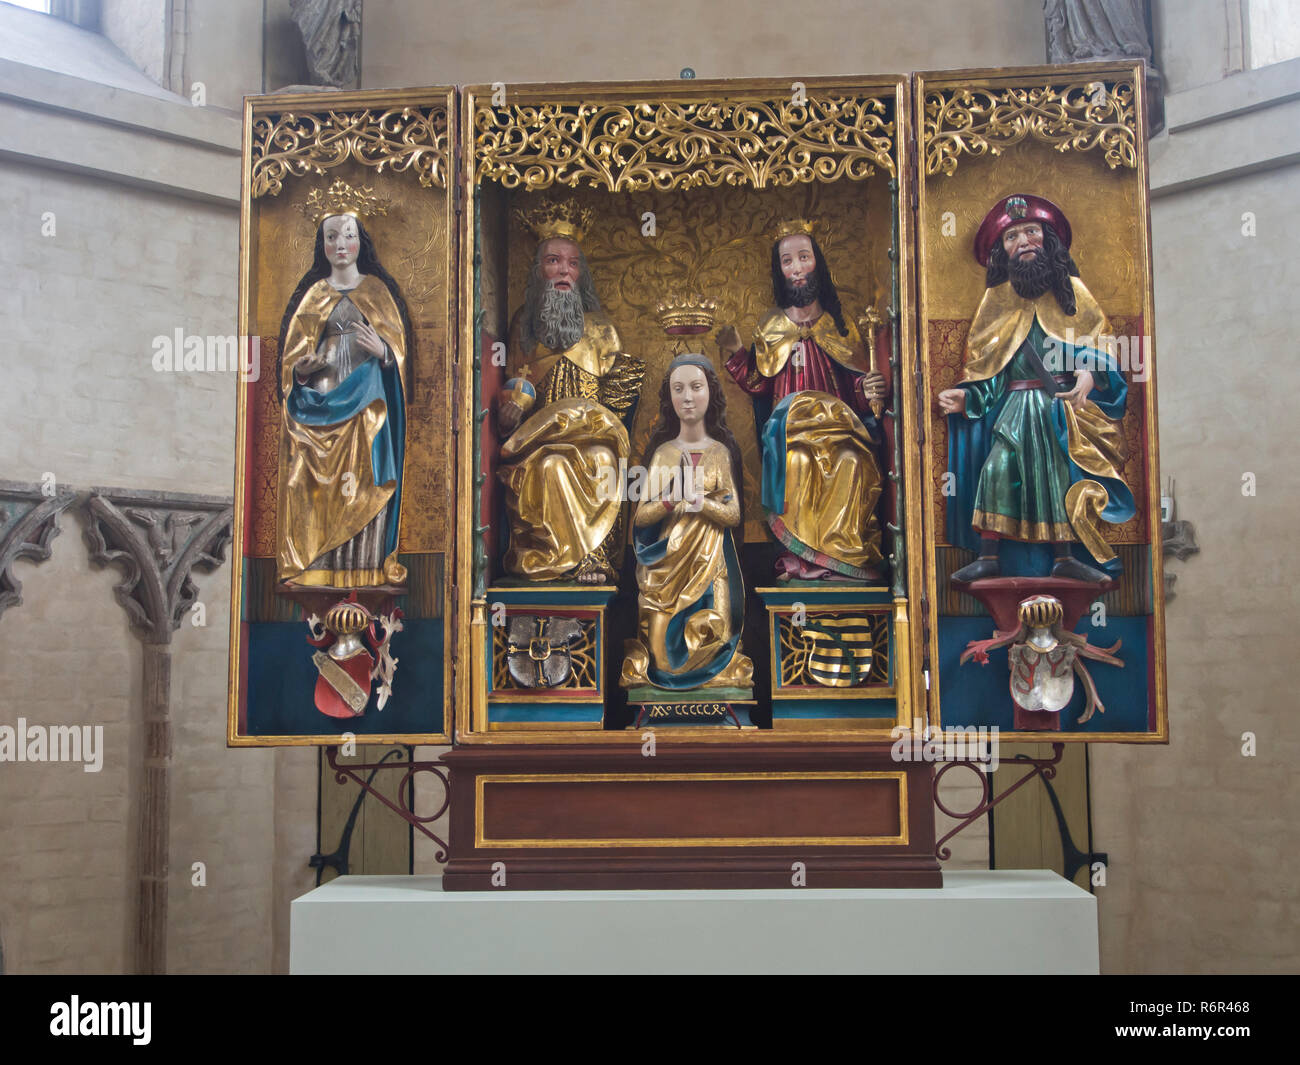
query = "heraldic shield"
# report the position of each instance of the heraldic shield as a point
(1042, 678)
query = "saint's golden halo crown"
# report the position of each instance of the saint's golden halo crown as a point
(677, 310)
(342, 198)
(556, 218)
(1041, 611)
(793, 227)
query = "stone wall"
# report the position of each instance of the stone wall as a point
(1201, 877)
(123, 227)
(626, 40)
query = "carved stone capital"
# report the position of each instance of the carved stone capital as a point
(159, 539)
(29, 520)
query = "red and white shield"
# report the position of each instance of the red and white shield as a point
(343, 687)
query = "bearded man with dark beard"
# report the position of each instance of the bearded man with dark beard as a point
(557, 463)
(1034, 444)
(810, 378)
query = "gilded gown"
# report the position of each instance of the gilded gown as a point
(821, 481)
(560, 464)
(691, 606)
(343, 441)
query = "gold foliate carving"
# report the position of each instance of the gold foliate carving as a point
(398, 138)
(683, 144)
(1083, 117)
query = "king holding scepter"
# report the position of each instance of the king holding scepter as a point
(813, 386)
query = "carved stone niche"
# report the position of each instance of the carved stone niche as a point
(29, 520)
(160, 539)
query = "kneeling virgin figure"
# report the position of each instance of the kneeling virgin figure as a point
(691, 605)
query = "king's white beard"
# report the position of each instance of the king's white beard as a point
(560, 318)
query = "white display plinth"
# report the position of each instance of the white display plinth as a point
(1013, 921)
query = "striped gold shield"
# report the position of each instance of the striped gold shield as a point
(839, 650)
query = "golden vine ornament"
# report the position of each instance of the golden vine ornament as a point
(399, 138)
(683, 145)
(1083, 117)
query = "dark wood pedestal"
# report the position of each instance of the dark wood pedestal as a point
(721, 816)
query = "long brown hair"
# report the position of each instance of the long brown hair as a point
(668, 424)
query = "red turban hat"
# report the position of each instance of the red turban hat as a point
(1012, 211)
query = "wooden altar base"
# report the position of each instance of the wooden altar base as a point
(721, 816)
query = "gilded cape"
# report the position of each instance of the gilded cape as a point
(1089, 439)
(821, 481)
(357, 428)
(691, 606)
(558, 465)
(776, 336)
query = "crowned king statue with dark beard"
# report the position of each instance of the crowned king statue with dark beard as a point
(561, 455)
(812, 384)
(1034, 443)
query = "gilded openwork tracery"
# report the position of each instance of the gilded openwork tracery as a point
(1080, 117)
(683, 144)
(397, 138)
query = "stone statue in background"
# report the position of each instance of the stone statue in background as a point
(331, 34)
(1079, 31)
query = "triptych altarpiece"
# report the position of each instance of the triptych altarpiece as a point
(774, 421)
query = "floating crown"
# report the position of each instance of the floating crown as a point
(557, 218)
(1040, 611)
(686, 314)
(342, 198)
(793, 227)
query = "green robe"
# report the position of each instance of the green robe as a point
(1021, 490)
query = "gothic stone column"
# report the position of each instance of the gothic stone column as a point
(159, 539)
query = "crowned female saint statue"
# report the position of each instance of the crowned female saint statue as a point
(691, 605)
(344, 345)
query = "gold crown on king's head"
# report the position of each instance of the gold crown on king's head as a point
(675, 311)
(556, 218)
(793, 227)
(342, 198)
(1041, 611)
